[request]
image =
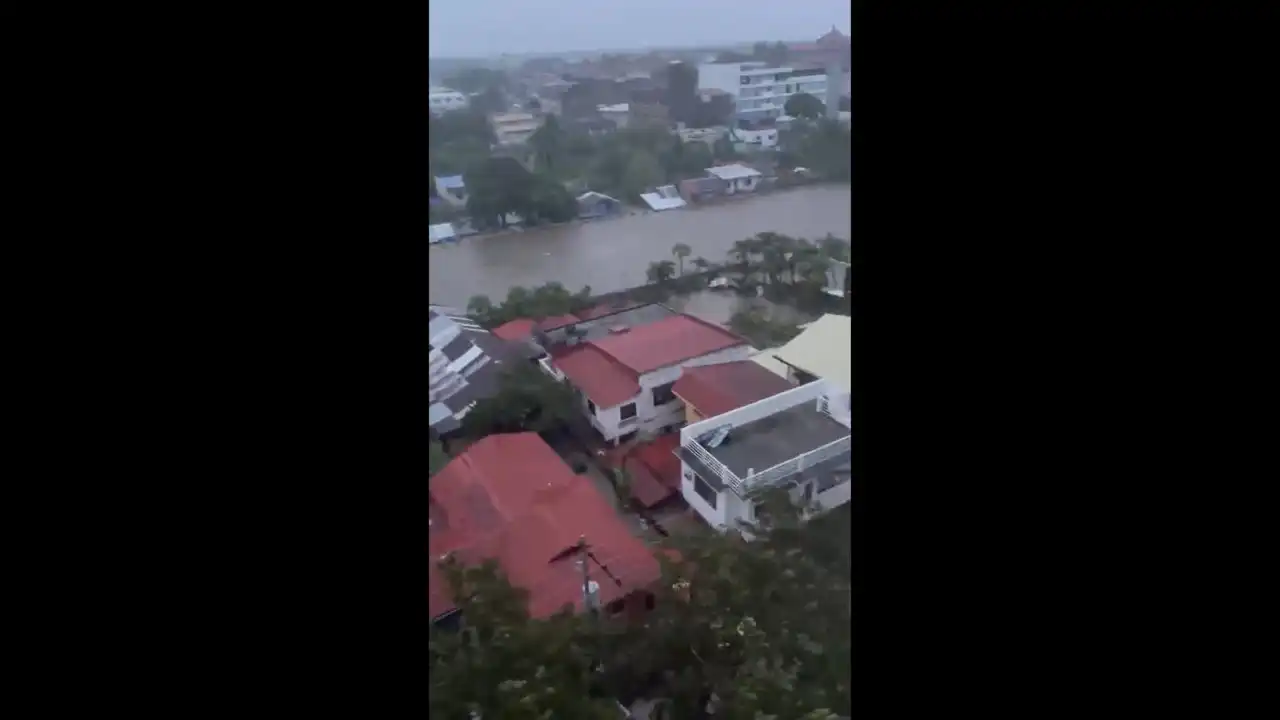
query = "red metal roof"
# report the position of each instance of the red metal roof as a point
(666, 342)
(512, 499)
(519, 329)
(606, 382)
(552, 323)
(716, 389)
(654, 470)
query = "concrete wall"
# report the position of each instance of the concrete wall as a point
(715, 517)
(720, 76)
(649, 418)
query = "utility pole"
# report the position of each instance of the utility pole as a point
(586, 577)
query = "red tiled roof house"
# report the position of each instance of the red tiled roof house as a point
(625, 377)
(511, 499)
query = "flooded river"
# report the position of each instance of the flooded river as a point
(613, 254)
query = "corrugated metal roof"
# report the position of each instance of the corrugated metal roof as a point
(733, 172)
(512, 499)
(823, 349)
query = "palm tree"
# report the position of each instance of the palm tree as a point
(742, 250)
(660, 272)
(681, 251)
(701, 263)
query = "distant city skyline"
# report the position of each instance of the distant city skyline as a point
(489, 28)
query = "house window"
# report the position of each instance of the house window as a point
(663, 395)
(591, 407)
(628, 411)
(705, 491)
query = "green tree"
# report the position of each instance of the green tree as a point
(701, 263)
(502, 664)
(549, 146)
(661, 271)
(722, 149)
(681, 251)
(479, 306)
(498, 186)
(643, 173)
(804, 105)
(527, 400)
(763, 627)
(437, 458)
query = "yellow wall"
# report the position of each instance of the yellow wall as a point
(690, 412)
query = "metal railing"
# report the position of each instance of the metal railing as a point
(786, 469)
(727, 476)
(757, 410)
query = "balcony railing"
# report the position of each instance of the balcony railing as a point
(727, 476)
(784, 470)
(758, 410)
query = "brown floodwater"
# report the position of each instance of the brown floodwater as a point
(611, 255)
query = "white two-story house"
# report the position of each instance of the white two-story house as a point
(625, 373)
(790, 440)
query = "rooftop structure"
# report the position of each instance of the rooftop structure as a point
(822, 350)
(466, 362)
(712, 390)
(735, 171)
(787, 440)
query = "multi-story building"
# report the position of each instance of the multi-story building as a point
(624, 371)
(791, 440)
(759, 91)
(514, 128)
(443, 100)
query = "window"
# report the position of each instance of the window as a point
(705, 491)
(807, 494)
(663, 395)
(591, 407)
(628, 411)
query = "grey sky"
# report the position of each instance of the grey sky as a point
(473, 28)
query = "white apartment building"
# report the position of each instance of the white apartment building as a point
(443, 100)
(760, 91)
(792, 440)
(514, 128)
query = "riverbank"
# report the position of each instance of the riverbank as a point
(637, 210)
(612, 255)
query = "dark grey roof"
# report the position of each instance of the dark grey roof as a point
(777, 438)
(458, 347)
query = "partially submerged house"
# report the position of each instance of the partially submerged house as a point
(663, 198)
(593, 204)
(696, 190)
(451, 189)
(738, 177)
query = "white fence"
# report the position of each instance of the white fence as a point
(784, 470)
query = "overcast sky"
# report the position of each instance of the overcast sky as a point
(475, 28)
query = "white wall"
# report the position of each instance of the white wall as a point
(721, 76)
(730, 509)
(715, 517)
(648, 418)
